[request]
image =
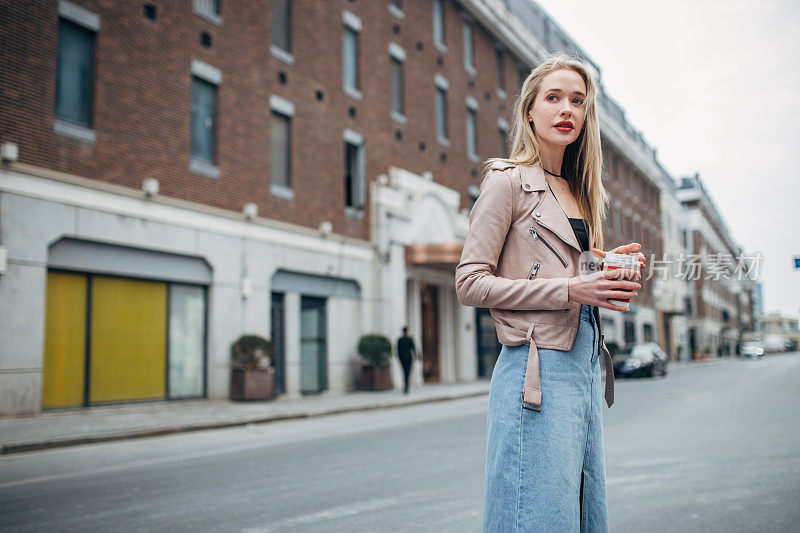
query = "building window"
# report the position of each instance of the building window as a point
(397, 57)
(75, 75)
(502, 134)
(469, 56)
(280, 139)
(442, 87)
(209, 6)
(355, 172)
(648, 333)
(474, 192)
(204, 121)
(522, 72)
(397, 86)
(630, 333)
(471, 149)
(396, 8)
(618, 220)
(501, 69)
(350, 54)
(438, 23)
(281, 25)
(209, 10)
(472, 109)
(441, 115)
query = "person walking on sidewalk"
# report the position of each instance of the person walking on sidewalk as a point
(405, 348)
(538, 216)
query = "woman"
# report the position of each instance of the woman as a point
(538, 214)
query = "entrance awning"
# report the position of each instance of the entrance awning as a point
(445, 255)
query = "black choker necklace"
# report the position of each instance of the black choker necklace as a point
(556, 175)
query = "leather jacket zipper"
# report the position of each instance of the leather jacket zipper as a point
(534, 269)
(537, 235)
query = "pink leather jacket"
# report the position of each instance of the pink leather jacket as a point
(519, 253)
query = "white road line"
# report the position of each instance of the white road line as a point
(134, 464)
(328, 514)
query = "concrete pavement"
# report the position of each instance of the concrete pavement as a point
(70, 427)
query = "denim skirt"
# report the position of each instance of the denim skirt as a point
(545, 470)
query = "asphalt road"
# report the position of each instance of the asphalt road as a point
(711, 447)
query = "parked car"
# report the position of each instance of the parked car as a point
(647, 359)
(775, 342)
(752, 349)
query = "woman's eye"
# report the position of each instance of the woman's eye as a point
(550, 97)
(578, 101)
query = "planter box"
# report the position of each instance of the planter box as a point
(374, 377)
(256, 384)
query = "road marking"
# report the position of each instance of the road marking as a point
(133, 464)
(328, 514)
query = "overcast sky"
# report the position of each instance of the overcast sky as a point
(713, 86)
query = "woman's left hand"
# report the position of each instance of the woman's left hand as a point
(629, 249)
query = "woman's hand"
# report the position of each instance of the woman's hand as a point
(596, 288)
(629, 249)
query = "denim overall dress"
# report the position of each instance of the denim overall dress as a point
(545, 470)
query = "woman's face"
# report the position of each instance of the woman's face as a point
(561, 98)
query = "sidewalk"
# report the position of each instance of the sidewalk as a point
(72, 427)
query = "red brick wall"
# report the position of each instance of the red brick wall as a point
(142, 101)
(625, 184)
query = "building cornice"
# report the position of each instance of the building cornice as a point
(68, 189)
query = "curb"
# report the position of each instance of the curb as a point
(7, 449)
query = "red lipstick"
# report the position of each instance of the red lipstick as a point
(564, 125)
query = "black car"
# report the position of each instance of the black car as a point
(646, 359)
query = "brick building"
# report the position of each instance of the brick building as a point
(719, 298)
(177, 174)
(191, 171)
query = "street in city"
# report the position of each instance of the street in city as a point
(710, 447)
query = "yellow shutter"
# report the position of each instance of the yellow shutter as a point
(64, 340)
(128, 340)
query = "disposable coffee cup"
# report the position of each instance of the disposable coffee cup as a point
(614, 261)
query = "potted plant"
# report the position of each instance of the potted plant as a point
(376, 372)
(252, 375)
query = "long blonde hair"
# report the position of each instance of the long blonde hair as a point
(583, 159)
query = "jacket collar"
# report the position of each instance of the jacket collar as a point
(533, 178)
(548, 212)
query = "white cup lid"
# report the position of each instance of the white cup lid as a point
(622, 260)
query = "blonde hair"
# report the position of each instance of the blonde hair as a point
(582, 165)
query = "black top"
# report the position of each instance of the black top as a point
(579, 227)
(405, 345)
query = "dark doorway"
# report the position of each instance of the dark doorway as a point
(630, 334)
(430, 332)
(648, 333)
(668, 337)
(488, 345)
(313, 345)
(277, 316)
